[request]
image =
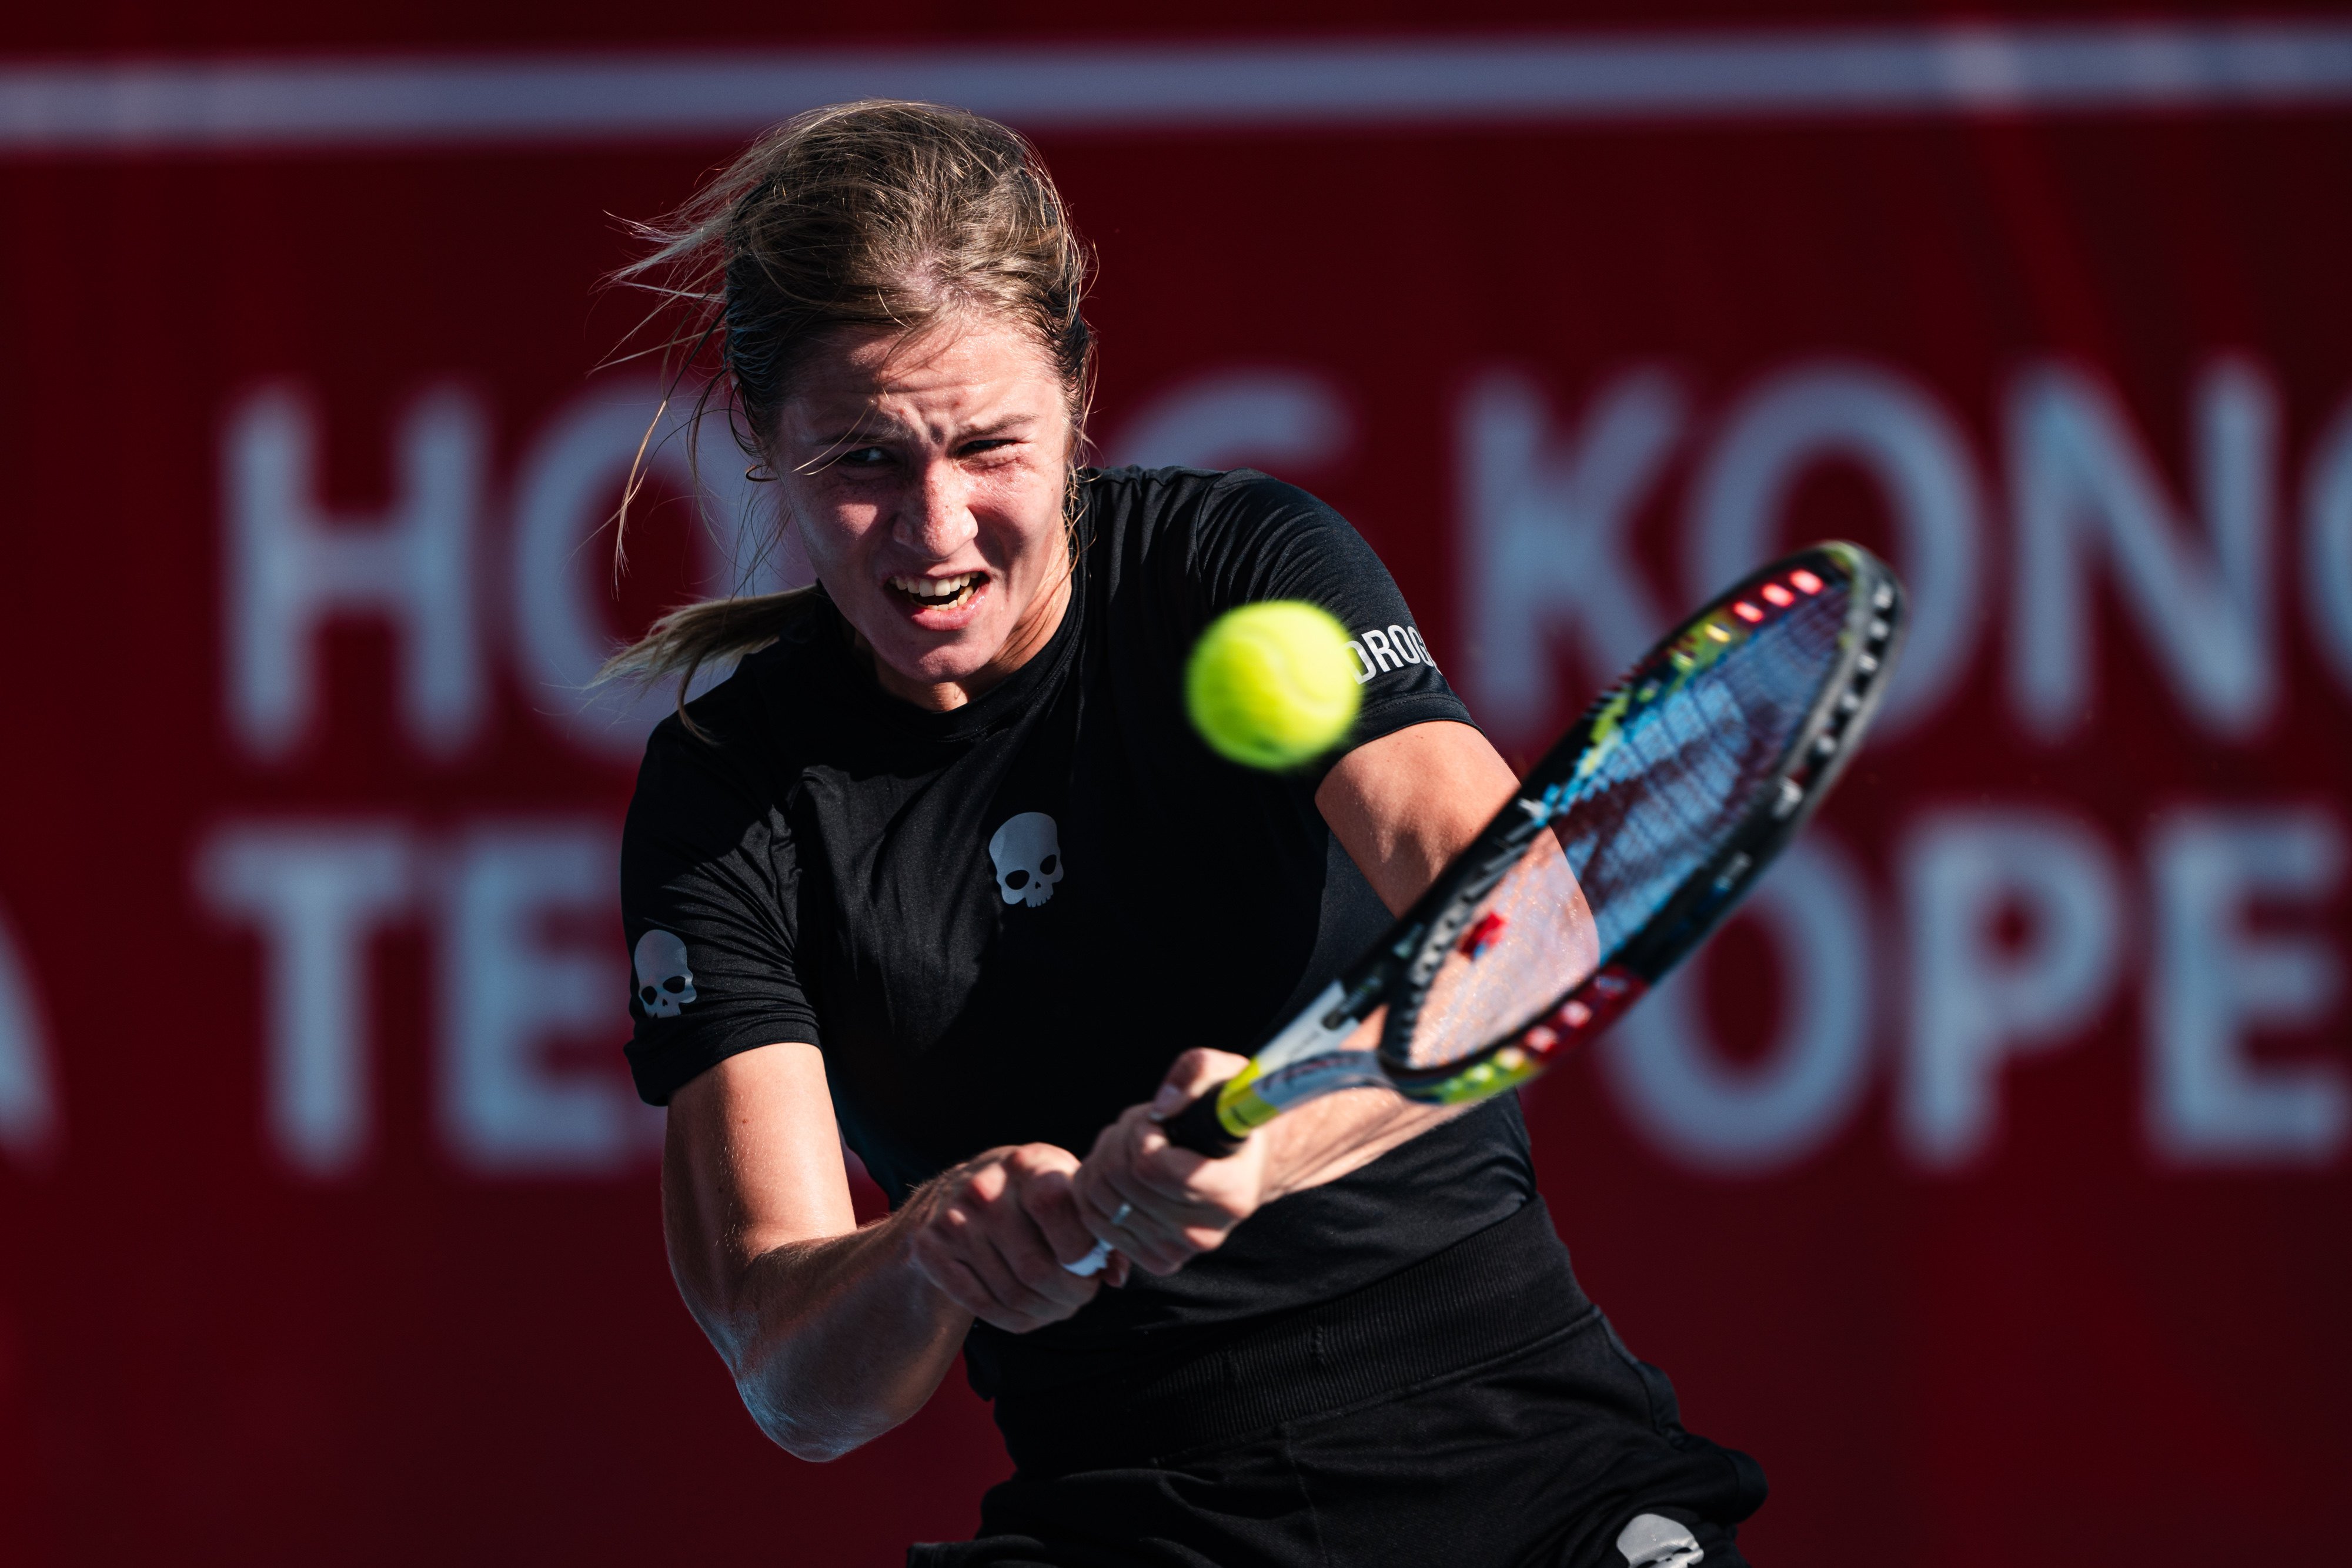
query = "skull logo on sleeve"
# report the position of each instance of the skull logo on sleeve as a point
(664, 982)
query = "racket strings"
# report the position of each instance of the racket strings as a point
(1532, 925)
(1685, 769)
(1696, 763)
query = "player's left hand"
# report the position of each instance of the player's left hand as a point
(1160, 1205)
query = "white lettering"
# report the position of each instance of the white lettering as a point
(1898, 433)
(2080, 480)
(31, 1125)
(511, 993)
(1364, 660)
(317, 896)
(1673, 1083)
(1382, 655)
(1408, 648)
(2327, 546)
(1976, 1001)
(291, 567)
(566, 492)
(1236, 419)
(2213, 982)
(1543, 520)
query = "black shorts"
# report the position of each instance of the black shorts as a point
(1475, 1409)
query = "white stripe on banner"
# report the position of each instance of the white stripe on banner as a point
(1789, 73)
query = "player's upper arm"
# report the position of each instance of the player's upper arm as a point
(1258, 539)
(1406, 803)
(709, 910)
(751, 1162)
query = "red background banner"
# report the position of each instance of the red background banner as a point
(1988, 1181)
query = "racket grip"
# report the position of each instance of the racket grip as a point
(1196, 1128)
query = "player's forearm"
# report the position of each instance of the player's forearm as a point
(1327, 1138)
(833, 1342)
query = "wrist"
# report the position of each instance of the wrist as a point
(1324, 1141)
(894, 1239)
(903, 1255)
(1287, 1155)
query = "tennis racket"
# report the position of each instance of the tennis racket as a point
(1634, 836)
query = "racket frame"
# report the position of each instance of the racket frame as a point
(1325, 1048)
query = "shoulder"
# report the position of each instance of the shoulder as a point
(1150, 500)
(1204, 526)
(730, 750)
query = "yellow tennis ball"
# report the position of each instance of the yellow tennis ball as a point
(1272, 684)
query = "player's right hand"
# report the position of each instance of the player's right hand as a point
(992, 1233)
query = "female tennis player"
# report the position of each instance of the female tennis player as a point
(941, 872)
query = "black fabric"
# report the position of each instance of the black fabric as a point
(1485, 1296)
(1353, 1438)
(825, 858)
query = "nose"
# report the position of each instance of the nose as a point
(937, 519)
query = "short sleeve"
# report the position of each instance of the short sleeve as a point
(1257, 537)
(708, 887)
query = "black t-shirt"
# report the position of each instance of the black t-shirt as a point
(1000, 923)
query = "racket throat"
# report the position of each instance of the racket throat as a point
(1325, 1048)
(1255, 1096)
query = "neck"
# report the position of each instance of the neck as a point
(1030, 635)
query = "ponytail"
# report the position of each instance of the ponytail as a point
(714, 632)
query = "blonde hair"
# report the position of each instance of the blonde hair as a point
(879, 214)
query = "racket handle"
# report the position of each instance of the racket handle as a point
(1196, 1128)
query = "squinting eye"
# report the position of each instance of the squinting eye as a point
(865, 457)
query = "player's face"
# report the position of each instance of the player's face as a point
(926, 475)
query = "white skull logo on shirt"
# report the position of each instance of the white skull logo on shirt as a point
(664, 982)
(1028, 851)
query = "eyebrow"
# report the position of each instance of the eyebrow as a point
(850, 438)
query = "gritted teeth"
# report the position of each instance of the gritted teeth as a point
(939, 590)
